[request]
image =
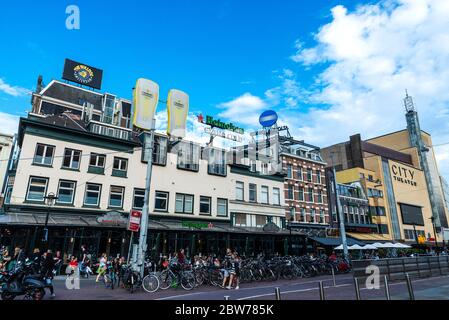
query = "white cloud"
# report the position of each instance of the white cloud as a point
(8, 123)
(12, 90)
(244, 109)
(371, 55)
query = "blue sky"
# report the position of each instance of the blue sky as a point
(214, 50)
(330, 68)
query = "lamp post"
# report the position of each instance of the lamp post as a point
(50, 200)
(434, 232)
(290, 229)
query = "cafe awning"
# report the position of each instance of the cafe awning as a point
(333, 242)
(368, 237)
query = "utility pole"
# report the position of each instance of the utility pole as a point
(148, 140)
(339, 211)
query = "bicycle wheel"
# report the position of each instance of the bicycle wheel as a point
(165, 280)
(187, 281)
(150, 283)
(216, 279)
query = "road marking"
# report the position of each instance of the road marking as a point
(291, 291)
(185, 295)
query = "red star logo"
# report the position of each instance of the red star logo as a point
(201, 118)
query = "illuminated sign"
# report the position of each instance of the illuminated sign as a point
(177, 110)
(145, 100)
(216, 123)
(197, 225)
(82, 74)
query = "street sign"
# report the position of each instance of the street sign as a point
(268, 118)
(134, 220)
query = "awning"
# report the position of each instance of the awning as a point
(333, 242)
(368, 237)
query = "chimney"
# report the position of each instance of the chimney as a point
(40, 84)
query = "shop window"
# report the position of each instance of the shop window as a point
(138, 199)
(205, 204)
(222, 207)
(66, 192)
(92, 196)
(261, 221)
(264, 195)
(37, 189)
(184, 203)
(240, 219)
(116, 197)
(44, 154)
(161, 201)
(252, 192)
(71, 159)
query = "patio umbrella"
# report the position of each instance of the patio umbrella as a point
(389, 245)
(340, 247)
(401, 246)
(369, 247)
(355, 247)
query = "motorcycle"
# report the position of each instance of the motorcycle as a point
(22, 281)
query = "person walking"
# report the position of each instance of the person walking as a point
(48, 269)
(102, 268)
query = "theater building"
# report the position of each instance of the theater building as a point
(80, 145)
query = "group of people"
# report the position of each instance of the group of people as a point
(45, 264)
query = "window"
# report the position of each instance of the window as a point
(383, 228)
(97, 160)
(292, 214)
(184, 203)
(120, 167)
(161, 201)
(72, 159)
(320, 196)
(217, 162)
(44, 154)
(239, 191)
(351, 214)
(370, 178)
(252, 192)
(160, 150)
(346, 213)
(310, 195)
(303, 214)
(240, 219)
(116, 197)
(188, 156)
(309, 175)
(92, 196)
(205, 203)
(261, 221)
(138, 198)
(222, 207)
(301, 194)
(322, 216)
(37, 189)
(356, 215)
(264, 168)
(252, 166)
(289, 171)
(318, 176)
(312, 215)
(290, 192)
(264, 194)
(276, 196)
(381, 211)
(66, 192)
(299, 173)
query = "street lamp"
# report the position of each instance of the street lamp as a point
(434, 232)
(50, 200)
(290, 229)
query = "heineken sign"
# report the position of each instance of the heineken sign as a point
(216, 123)
(197, 225)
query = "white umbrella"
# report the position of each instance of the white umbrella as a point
(369, 247)
(355, 247)
(340, 247)
(377, 245)
(384, 245)
(389, 245)
(401, 245)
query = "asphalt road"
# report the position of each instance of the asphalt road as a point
(301, 289)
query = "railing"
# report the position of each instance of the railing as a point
(396, 268)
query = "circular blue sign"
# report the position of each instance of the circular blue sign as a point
(268, 118)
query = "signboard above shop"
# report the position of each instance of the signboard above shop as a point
(112, 218)
(82, 74)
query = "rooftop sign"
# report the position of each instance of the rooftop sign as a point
(82, 74)
(216, 123)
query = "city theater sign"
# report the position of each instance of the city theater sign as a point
(403, 174)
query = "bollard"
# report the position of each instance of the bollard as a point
(321, 286)
(357, 289)
(387, 288)
(409, 287)
(333, 277)
(226, 297)
(277, 293)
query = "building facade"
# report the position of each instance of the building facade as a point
(80, 146)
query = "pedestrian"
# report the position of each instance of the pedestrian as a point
(102, 267)
(48, 271)
(226, 266)
(5, 258)
(72, 267)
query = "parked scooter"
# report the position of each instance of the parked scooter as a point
(22, 281)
